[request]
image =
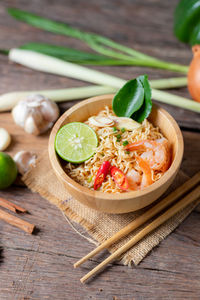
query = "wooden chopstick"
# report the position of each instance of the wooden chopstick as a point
(15, 221)
(180, 191)
(189, 198)
(11, 206)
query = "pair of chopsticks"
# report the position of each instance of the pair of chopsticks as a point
(163, 204)
(13, 220)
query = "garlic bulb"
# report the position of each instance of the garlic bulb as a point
(5, 139)
(24, 160)
(36, 114)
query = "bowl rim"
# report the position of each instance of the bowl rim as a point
(109, 196)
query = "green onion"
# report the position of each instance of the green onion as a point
(64, 53)
(49, 64)
(9, 100)
(125, 143)
(118, 136)
(4, 51)
(100, 44)
(127, 152)
(123, 130)
(90, 179)
(114, 129)
(53, 65)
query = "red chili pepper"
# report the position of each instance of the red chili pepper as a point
(119, 178)
(101, 174)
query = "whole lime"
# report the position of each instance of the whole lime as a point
(8, 170)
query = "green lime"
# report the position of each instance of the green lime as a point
(8, 170)
(76, 142)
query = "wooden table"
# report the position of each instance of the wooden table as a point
(40, 266)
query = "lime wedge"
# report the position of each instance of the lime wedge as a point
(76, 142)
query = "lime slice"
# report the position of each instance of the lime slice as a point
(76, 142)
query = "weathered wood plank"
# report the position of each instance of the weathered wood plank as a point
(125, 28)
(40, 266)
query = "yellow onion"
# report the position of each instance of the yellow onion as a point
(194, 74)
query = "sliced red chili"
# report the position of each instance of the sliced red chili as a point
(119, 178)
(101, 174)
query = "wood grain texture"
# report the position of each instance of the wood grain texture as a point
(41, 266)
(128, 22)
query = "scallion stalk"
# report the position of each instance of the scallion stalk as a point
(45, 63)
(54, 65)
(97, 42)
(9, 100)
(175, 100)
(169, 83)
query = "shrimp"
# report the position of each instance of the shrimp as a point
(156, 153)
(146, 177)
(134, 179)
(137, 181)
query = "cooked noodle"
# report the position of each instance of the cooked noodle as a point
(111, 150)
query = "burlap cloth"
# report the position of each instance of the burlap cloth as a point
(101, 226)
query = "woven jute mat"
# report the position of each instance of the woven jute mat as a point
(101, 226)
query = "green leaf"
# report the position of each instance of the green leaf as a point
(195, 35)
(65, 53)
(4, 51)
(46, 24)
(73, 55)
(99, 43)
(187, 21)
(128, 99)
(146, 107)
(134, 99)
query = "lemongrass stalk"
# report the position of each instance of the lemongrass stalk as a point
(45, 63)
(148, 62)
(53, 65)
(9, 100)
(97, 42)
(169, 83)
(49, 64)
(4, 51)
(175, 100)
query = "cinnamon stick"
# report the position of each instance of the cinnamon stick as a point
(15, 221)
(11, 206)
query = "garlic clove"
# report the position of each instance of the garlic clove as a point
(49, 110)
(20, 113)
(35, 100)
(127, 123)
(101, 121)
(30, 125)
(24, 160)
(5, 139)
(36, 114)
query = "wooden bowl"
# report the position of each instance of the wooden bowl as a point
(128, 201)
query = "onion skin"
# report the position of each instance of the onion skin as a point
(194, 74)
